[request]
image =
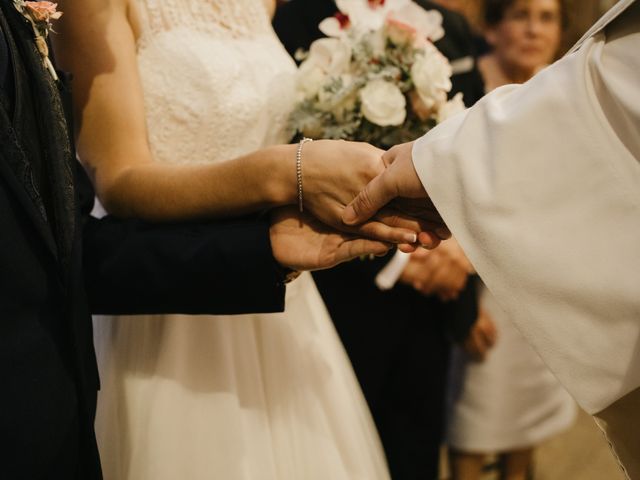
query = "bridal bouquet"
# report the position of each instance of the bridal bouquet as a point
(377, 77)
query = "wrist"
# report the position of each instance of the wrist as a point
(280, 175)
(286, 273)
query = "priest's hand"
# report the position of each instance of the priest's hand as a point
(333, 173)
(400, 186)
(300, 242)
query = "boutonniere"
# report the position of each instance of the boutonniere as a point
(40, 15)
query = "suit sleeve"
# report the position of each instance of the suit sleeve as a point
(218, 267)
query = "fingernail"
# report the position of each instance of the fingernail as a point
(349, 215)
(428, 245)
(410, 237)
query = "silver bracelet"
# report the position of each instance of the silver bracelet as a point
(299, 171)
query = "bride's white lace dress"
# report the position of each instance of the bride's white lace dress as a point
(260, 397)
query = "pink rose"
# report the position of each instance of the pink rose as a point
(43, 11)
(400, 33)
(425, 24)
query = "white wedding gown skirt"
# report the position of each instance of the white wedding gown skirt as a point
(233, 397)
(251, 397)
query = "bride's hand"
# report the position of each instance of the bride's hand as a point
(334, 172)
(300, 242)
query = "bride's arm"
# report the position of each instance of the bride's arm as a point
(96, 42)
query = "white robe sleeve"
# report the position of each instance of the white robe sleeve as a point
(540, 184)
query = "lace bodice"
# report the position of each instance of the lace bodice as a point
(217, 82)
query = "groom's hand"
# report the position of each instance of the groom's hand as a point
(399, 185)
(300, 242)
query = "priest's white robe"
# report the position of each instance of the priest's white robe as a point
(540, 184)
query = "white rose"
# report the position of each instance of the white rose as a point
(452, 107)
(328, 57)
(383, 103)
(311, 78)
(412, 17)
(330, 54)
(431, 75)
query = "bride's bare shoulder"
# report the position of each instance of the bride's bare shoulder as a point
(93, 19)
(90, 15)
(96, 38)
(94, 7)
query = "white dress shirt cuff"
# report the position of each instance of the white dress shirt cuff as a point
(389, 275)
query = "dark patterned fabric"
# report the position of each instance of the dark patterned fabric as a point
(19, 122)
(6, 83)
(42, 135)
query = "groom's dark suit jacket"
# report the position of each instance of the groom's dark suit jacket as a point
(398, 341)
(57, 265)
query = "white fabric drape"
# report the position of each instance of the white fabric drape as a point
(540, 184)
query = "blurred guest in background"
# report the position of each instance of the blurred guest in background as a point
(505, 400)
(471, 10)
(398, 336)
(525, 37)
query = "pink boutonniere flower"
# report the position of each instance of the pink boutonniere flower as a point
(43, 11)
(40, 16)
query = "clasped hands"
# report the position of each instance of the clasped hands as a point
(351, 208)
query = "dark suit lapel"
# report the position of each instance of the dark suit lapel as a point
(56, 150)
(18, 187)
(14, 164)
